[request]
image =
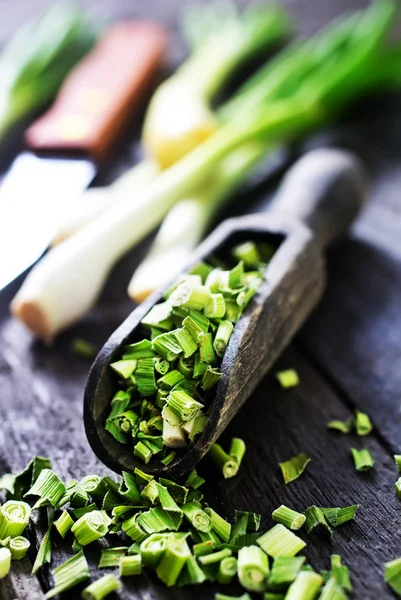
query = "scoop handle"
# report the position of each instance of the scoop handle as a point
(325, 190)
(101, 92)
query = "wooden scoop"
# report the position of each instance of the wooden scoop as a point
(318, 199)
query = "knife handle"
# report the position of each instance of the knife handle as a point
(99, 96)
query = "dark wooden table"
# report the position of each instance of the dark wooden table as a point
(348, 355)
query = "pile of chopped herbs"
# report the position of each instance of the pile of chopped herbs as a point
(166, 380)
(164, 527)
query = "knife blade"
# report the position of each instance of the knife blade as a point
(68, 143)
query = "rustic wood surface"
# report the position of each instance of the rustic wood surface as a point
(348, 355)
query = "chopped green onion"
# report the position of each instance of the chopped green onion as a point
(130, 565)
(294, 467)
(340, 573)
(64, 523)
(69, 574)
(18, 547)
(14, 517)
(210, 377)
(224, 597)
(193, 480)
(90, 527)
(273, 596)
(44, 554)
(159, 316)
(173, 560)
(280, 541)
(168, 459)
(5, 562)
(143, 452)
(153, 548)
(110, 557)
(190, 296)
(124, 368)
(166, 500)
(191, 574)
(101, 588)
(195, 426)
(248, 254)
(363, 459)
(305, 587)
(129, 488)
(227, 464)
(227, 570)
(79, 497)
(219, 525)
(197, 517)
(94, 486)
(392, 575)
(145, 377)
(253, 519)
(398, 487)
(133, 528)
(206, 350)
(194, 326)
(157, 519)
(332, 591)
(84, 349)
(397, 460)
(314, 517)
(178, 492)
(168, 381)
(19, 484)
(142, 349)
(342, 426)
(285, 569)
(362, 423)
(214, 557)
(237, 450)
(215, 307)
(288, 517)
(233, 311)
(287, 379)
(48, 487)
(183, 406)
(338, 516)
(188, 344)
(253, 568)
(235, 276)
(173, 435)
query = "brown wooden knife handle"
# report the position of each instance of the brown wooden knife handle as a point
(100, 94)
(325, 190)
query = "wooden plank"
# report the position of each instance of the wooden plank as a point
(46, 387)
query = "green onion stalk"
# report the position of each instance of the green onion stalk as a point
(36, 60)
(340, 64)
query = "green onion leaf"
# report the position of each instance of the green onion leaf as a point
(392, 575)
(227, 464)
(340, 573)
(248, 253)
(294, 467)
(288, 517)
(84, 349)
(167, 502)
(280, 541)
(332, 591)
(397, 460)
(133, 528)
(362, 423)
(342, 426)
(219, 525)
(214, 557)
(157, 520)
(49, 487)
(363, 459)
(69, 574)
(397, 486)
(315, 517)
(44, 554)
(287, 379)
(206, 350)
(124, 368)
(338, 516)
(191, 574)
(197, 517)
